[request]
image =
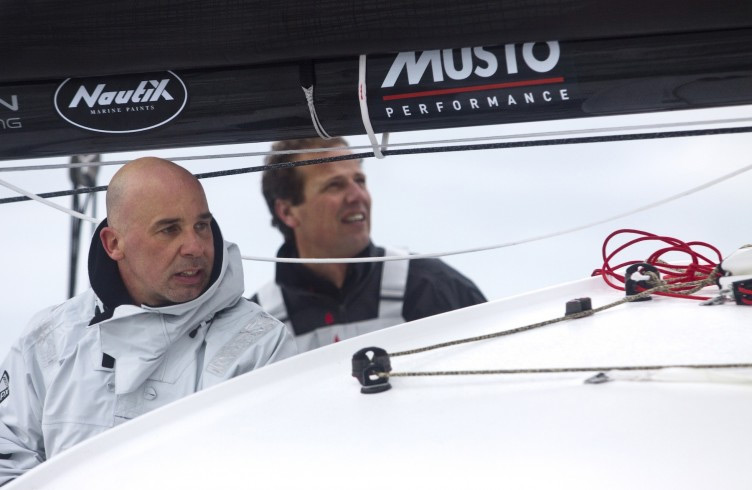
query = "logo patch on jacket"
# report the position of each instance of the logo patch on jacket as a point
(4, 386)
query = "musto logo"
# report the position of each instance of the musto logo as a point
(121, 104)
(509, 78)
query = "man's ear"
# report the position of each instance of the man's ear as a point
(111, 243)
(284, 210)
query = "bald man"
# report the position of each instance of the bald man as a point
(164, 318)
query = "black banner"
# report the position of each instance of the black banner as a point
(466, 86)
(48, 40)
(513, 82)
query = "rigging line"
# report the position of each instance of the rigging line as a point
(206, 175)
(488, 146)
(506, 244)
(540, 134)
(211, 156)
(47, 195)
(562, 370)
(436, 254)
(626, 299)
(47, 202)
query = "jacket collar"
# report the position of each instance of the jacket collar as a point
(138, 337)
(107, 284)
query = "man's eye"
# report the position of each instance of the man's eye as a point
(169, 230)
(201, 227)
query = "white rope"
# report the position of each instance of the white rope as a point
(308, 91)
(515, 136)
(384, 141)
(428, 255)
(506, 244)
(47, 202)
(363, 100)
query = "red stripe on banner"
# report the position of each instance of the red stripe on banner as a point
(475, 88)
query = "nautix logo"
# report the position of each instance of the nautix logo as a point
(121, 104)
(140, 95)
(472, 61)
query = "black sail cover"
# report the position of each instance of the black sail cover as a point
(95, 77)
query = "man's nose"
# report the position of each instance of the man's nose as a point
(356, 192)
(193, 244)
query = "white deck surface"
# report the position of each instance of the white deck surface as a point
(303, 422)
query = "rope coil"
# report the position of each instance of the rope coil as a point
(700, 266)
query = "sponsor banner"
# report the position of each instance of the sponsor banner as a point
(506, 83)
(121, 104)
(406, 92)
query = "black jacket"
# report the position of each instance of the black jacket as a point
(432, 287)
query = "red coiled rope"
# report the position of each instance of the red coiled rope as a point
(699, 268)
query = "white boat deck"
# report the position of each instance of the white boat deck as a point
(303, 423)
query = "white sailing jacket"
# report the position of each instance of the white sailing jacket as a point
(66, 380)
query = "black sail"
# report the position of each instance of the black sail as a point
(88, 77)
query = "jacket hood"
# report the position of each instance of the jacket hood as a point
(105, 279)
(138, 336)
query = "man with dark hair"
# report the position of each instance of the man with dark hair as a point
(324, 211)
(164, 318)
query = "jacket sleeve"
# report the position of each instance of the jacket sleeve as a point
(21, 440)
(434, 287)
